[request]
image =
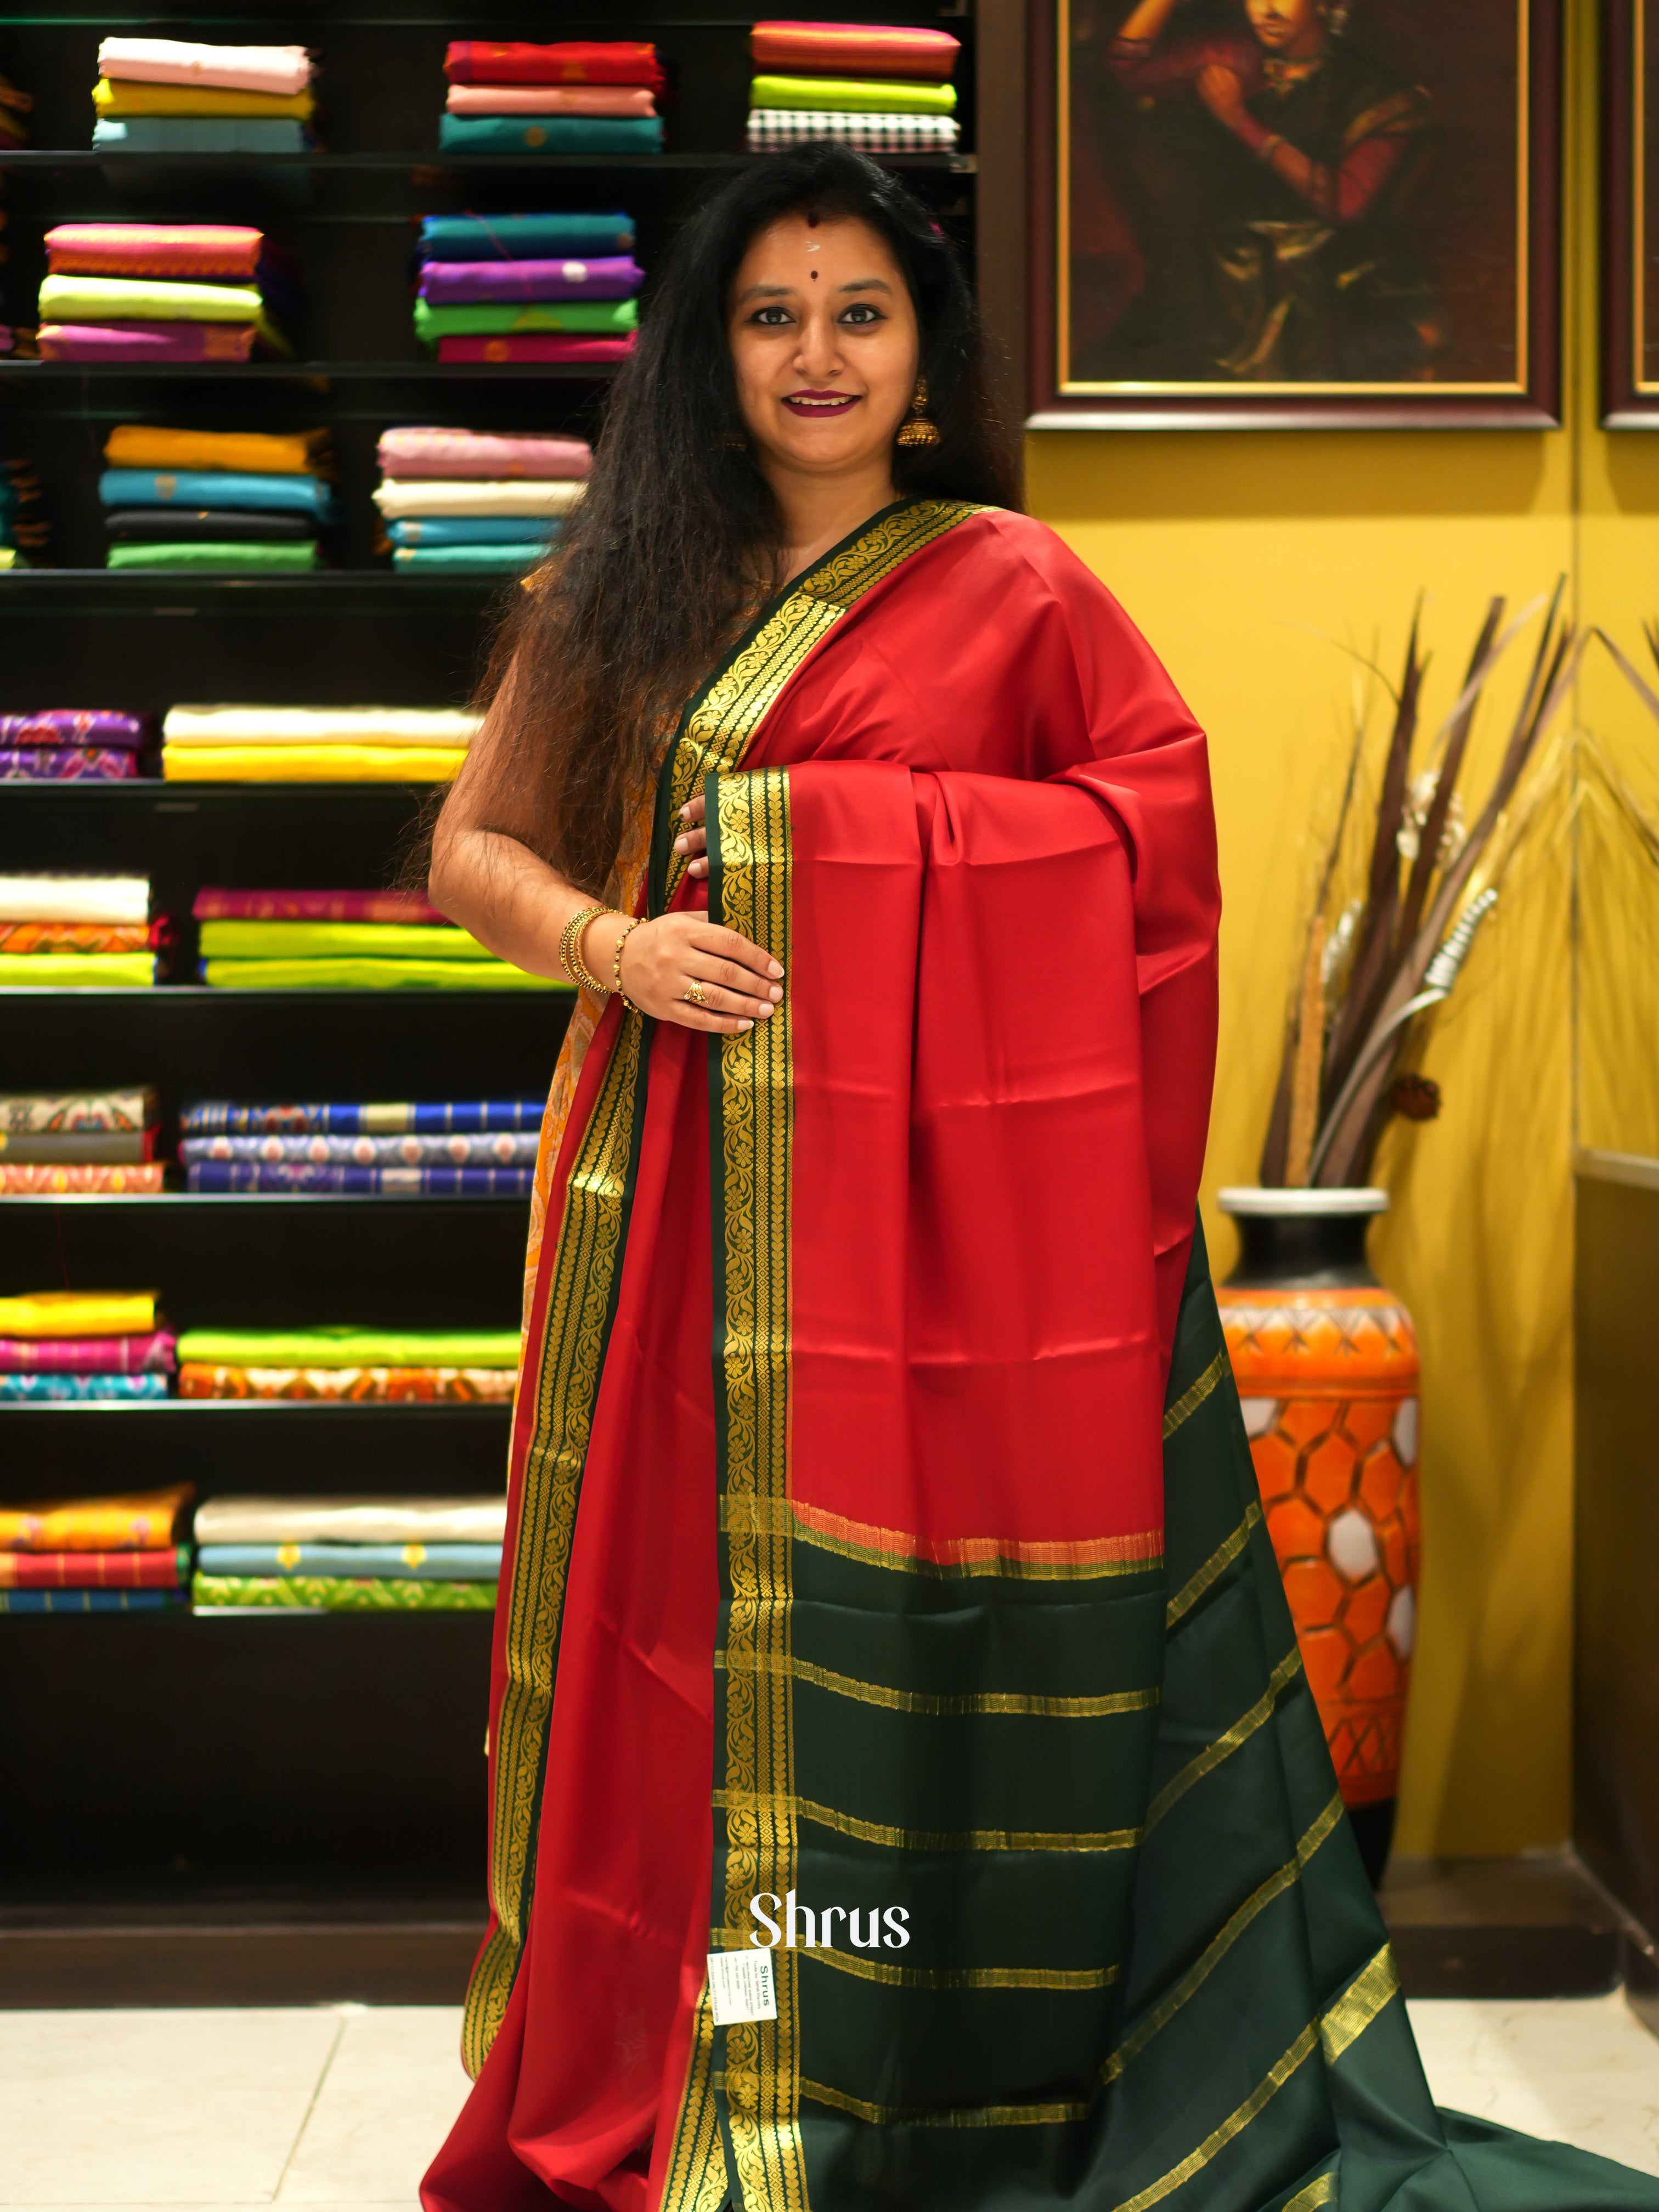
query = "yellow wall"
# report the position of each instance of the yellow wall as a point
(1248, 560)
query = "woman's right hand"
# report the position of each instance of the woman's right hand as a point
(742, 983)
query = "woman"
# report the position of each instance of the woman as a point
(1309, 151)
(867, 1643)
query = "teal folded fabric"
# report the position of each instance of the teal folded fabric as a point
(523, 237)
(476, 560)
(200, 134)
(457, 1563)
(221, 489)
(550, 134)
(209, 559)
(586, 317)
(515, 530)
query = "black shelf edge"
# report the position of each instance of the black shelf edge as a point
(216, 994)
(128, 789)
(312, 372)
(436, 165)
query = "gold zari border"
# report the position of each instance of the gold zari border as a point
(1026, 1704)
(1218, 1564)
(733, 1803)
(1205, 1761)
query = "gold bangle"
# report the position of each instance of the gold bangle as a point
(615, 965)
(570, 950)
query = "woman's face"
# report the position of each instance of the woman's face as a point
(825, 344)
(1292, 28)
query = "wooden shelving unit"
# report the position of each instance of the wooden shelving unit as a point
(294, 1807)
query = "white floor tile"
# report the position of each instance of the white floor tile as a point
(391, 2090)
(176, 2107)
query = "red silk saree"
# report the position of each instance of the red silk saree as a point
(884, 1567)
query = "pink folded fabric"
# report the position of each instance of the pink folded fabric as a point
(474, 454)
(215, 904)
(526, 346)
(147, 340)
(550, 99)
(472, 284)
(179, 61)
(88, 1355)
(154, 249)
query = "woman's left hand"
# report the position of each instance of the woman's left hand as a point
(1221, 92)
(695, 838)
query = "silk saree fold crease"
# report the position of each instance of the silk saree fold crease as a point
(885, 1567)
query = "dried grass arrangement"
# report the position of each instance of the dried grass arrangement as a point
(1399, 899)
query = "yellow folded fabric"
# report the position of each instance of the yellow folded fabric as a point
(258, 452)
(128, 96)
(79, 1313)
(312, 763)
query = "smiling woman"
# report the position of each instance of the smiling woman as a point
(883, 1545)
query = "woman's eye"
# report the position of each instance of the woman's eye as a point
(860, 312)
(773, 318)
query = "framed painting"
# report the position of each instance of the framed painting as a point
(1630, 215)
(1302, 214)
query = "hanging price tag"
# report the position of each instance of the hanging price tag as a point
(740, 1986)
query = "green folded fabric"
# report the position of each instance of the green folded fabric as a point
(365, 974)
(212, 558)
(59, 971)
(155, 299)
(848, 95)
(338, 1593)
(351, 1347)
(297, 940)
(605, 317)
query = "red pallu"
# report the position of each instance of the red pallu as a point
(573, 61)
(997, 1044)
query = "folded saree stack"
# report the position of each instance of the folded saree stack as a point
(458, 499)
(316, 744)
(123, 1554)
(875, 86)
(527, 288)
(217, 500)
(162, 292)
(67, 933)
(438, 1148)
(69, 1345)
(23, 526)
(102, 1142)
(583, 96)
(318, 941)
(175, 96)
(63, 744)
(436, 1366)
(349, 1554)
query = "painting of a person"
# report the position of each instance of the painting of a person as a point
(1272, 161)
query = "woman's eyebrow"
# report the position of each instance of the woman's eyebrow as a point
(767, 292)
(865, 284)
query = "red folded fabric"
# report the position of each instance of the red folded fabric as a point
(154, 249)
(34, 1180)
(575, 61)
(533, 346)
(93, 1569)
(219, 905)
(877, 50)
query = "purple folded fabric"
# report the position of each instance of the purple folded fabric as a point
(74, 726)
(147, 340)
(482, 283)
(89, 1355)
(65, 764)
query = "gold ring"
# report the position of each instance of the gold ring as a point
(694, 991)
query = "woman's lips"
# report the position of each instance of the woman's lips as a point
(820, 402)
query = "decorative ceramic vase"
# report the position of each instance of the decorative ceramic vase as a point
(1325, 1362)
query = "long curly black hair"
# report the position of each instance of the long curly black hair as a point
(659, 566)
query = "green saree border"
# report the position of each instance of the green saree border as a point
(581, 1305)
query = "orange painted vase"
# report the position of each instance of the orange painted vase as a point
(1325, 1362)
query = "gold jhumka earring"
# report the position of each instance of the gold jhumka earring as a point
(917, 429)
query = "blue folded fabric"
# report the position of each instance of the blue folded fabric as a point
(446, 1563)
(422, 1118)
(51, 1387)
(523, 237)
(220, 488)
(201, 134)
(473, 530)
(478, 560)
(550, 134)
(90, 1601)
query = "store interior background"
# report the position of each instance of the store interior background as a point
(1250, 559)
